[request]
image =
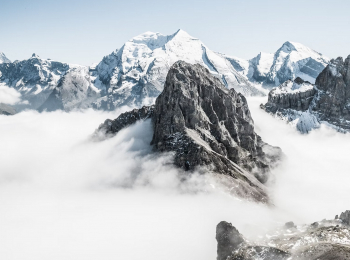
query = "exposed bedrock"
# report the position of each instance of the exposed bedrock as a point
(323, 240)
(205, 124)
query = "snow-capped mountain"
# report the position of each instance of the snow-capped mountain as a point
(76, 89)
(3, 58)
(135, 74)
(34, 78)
(290, 61)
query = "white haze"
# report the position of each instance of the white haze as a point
(63, 196)
(8, 95)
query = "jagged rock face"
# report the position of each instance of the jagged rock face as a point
(33, 78)
(6, 110)
(194, 108)
(327, 239)
(345, 217)
(333, 101)
(296, 95)
(233, 246)
(204, 124)
(228, 238)
(111, 127)
(328, 100)
(135, 74)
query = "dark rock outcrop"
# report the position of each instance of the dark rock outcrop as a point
(328, 100)
(287, 96)
(333, 100)
(111, 127)
(233, 246)
(345, 217)
(327, 239)
(228, 238)
(205, 124)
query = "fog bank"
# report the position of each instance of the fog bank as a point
(63, 196)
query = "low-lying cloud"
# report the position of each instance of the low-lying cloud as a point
(9, 96)
(63, 196)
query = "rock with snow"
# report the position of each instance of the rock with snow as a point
(228, 238)
(290, 61)
(323, 240)
(231, 245)
(307, 106)
(3, 58)
(75, 90)
(135, 74)
(34, 78)
(203, 123)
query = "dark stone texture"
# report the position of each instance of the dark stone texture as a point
(328, 101)
(111, 127)
(299, 101)
(205, 124)
(228, 238)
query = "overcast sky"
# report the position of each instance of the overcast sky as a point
(83, 31)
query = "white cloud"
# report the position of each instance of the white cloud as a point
(8, 95)
(65, 197)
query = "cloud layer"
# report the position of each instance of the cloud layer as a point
(63, 196)
(9, 96)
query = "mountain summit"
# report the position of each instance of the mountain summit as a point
(3, 58)
(205, 124)
(135, 74)
(290, 61)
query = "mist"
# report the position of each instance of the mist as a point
(8, 95)
(65, 196)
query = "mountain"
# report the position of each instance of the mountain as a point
(34, 78)
(290, 61)
(322, 240)
(75, 89)
(135, 74)
(203, 123)
(3, 58)
(307, 105)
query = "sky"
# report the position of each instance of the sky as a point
(83, 31)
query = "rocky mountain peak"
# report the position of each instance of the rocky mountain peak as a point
(3, 58)
(206, 125)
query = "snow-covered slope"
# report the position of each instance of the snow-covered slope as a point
(3, 58)
(290, 61)
(34, 78)
(135, 74)
(74, 90)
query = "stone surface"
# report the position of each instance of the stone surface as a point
(345, 217)
(204, 124)
(328, 101)
(228, 239)
(324, 240)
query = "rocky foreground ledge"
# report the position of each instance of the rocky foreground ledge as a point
(323, 240)
(308, 105)
(205, 124)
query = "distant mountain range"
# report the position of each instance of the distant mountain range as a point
(135, 74)
(290, 61)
